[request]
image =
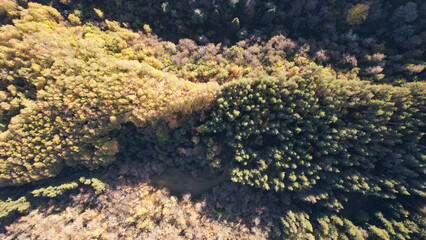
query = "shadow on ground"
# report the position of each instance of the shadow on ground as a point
(139, 204)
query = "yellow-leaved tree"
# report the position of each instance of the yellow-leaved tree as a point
(65, 88)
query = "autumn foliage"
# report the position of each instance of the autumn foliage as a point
(339, 155)
(65, 88)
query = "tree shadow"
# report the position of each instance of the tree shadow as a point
(132, 198)
(202, 21)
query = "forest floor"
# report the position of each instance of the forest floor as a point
(179, 182)
(139, 203)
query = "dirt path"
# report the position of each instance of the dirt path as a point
(179, 182)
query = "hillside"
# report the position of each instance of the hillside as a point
(212, 120)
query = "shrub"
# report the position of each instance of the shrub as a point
(97, 184)
(54, 191)
(9, 207)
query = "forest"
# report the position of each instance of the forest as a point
(222, 119)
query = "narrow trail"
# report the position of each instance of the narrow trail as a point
(180, 182)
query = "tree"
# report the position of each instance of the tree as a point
(357, 14)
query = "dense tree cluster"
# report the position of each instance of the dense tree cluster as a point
(322, 139)
(294, 134)
(223, 64)
(383, 39)
(64, 89)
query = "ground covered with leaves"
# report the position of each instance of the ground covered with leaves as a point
(131, 208)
